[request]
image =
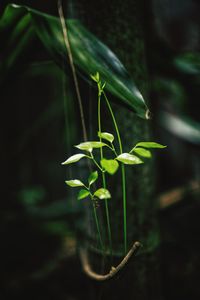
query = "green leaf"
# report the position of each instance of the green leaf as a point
(74, 158)
(188, 63)
(83, 194)
(89, 53)
(88, 146)
(102, 194)
(93, 177)
(74, 183)
(110, 165)
(149, 145)
(106, 136)
(95, 77)
(129, 159)
(142, 152)
(182, 127)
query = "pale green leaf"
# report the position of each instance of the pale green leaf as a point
(102, 194)
(74, 158)
(129, 159)
(106, 136)
(95, 77)
(83, 194)
(88, 146)
(93, 177)
(142, 152)
(150, 145)
(74, 183)
(110, 165)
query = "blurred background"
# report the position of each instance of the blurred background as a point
(40, 121)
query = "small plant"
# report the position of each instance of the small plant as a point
(107, 166)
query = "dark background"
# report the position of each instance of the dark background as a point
(38, 227)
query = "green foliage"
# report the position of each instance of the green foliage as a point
(149, 145)
(129, 159)
(89, 146)
(183, 127)
(74, 158)
(21, 24)
(106, 136)
(83, 194)
(188, 63)
(93, 177)
(142, 152)
(109, 165)
(102, 194)
(74, 183)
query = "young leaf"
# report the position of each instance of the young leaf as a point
(149, 145)
(110, 165)
(88, 146)
(102, 194)
(74, 158)
(129, 159)
(103, 86)
(74, 183)
(106, 136)
(142, 152)
(95, 77)
(93, 177)
(83, 194)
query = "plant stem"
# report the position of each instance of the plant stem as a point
(104, 178)
(96, 163)
(97, 225)
(71, 62)
(122, 172)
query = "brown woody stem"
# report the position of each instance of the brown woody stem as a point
(113, 271)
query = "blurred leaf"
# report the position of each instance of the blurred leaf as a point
(93, 177)
(106, 136)
(188, 62)
(74, 158)
(32, 196)
(83, 194)
(110, 165)
(142, 152)
(74, 183)
(16, 35)
(90, 54)
(129, 159)
(102, 194)
(88, 146)
(150, 145)
(183, 127)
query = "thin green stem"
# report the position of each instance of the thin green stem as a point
(97, 224)
(122, 172)
(114, 150)
(96, 163)
(104, 177)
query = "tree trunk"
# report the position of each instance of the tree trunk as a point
(119, 25)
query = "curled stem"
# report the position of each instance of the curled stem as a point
(113, 271)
